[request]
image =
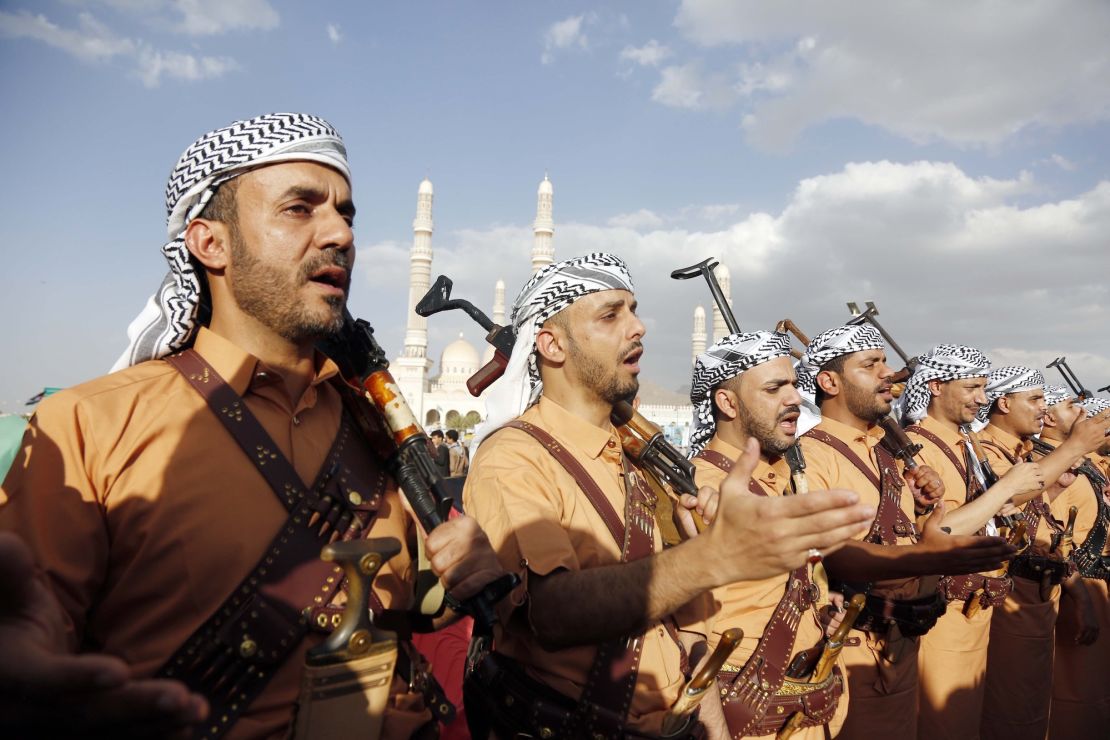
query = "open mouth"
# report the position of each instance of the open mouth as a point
(632, 359)
(334, 278)
(887, 392)
(788, 422)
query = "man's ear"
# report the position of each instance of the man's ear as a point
(828, 382)
(208, 241)
(551, 344)
(1003, 404)
(727, 402)
(1050, 421)
(934, 388)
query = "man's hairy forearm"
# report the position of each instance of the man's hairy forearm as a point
(859, 562)
(597, 604)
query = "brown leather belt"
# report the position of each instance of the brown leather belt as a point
(991, 590)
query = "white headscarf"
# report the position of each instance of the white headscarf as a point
(726, 359)
(168, 322)
(944, 362)
(1054, 394)
(1002, 382)
(548, 292)
(823, 348)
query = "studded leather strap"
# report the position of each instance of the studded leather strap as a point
(232, 656)
(611, 680)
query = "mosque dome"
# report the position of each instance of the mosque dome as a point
(425, 187)
(545, 186)
(459, 359)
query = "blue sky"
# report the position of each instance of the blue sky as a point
(947, 160)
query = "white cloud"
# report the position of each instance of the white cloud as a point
(94, 42)
(648, 55)
(1062, 162)
(565, 34)
(973, 73)
(91, 42)
(687, 86)
(207, 17)
(153, 65)
(946, 256)
(334, 34)
(640, 220)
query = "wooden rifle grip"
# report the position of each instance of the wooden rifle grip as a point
(488, 373)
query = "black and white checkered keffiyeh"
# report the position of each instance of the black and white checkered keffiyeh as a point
(726, 359)
(1095, 405)
(944, 362)
(1006, 380)
(168, 322)
(1054, 394)
(548, 292)
(828, 345)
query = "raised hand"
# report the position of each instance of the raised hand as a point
(756, 537)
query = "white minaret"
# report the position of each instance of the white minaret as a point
(543, 251)
(720, 328)
(498, 315)
(697, 339)
(411, 368)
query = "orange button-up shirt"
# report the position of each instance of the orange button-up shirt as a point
(750, 604)
(955, 485)
(827, 468)
(539, 521)
(145, 514)
(1000, 464)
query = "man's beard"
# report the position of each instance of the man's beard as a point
(602, 380)
(767, 434)
(265, 293)
(865, 404)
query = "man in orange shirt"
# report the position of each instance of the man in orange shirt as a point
(1081, 664)
(596, 642)
(743, 389)
(1019, 659)
(942, 396)
(169, 557)
(1094, 406)
(845, 374)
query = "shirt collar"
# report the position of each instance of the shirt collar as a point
(242, 370)
(771, 475)
(1004, 438)
(952, 437)
(846, 433)
(576, 431)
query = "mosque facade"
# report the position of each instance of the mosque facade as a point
(442, 401)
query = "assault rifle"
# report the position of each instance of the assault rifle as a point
(1080, 391)
(385, 418)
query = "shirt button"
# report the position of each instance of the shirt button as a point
(611, 444)
(771, 476)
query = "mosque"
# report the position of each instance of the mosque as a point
(442, 401)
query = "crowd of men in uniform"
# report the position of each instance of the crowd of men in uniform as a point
(160, 527)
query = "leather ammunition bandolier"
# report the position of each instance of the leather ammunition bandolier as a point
(912, 616)
(233, 655)
(990, 590)
(1088, 557)
(514, 703)
(1039, 567)
(760, 697)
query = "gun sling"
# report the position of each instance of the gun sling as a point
(514, 702)
(1044, 569)
(912, 616)
(989, 590)
(231, 657)
(760, 697)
